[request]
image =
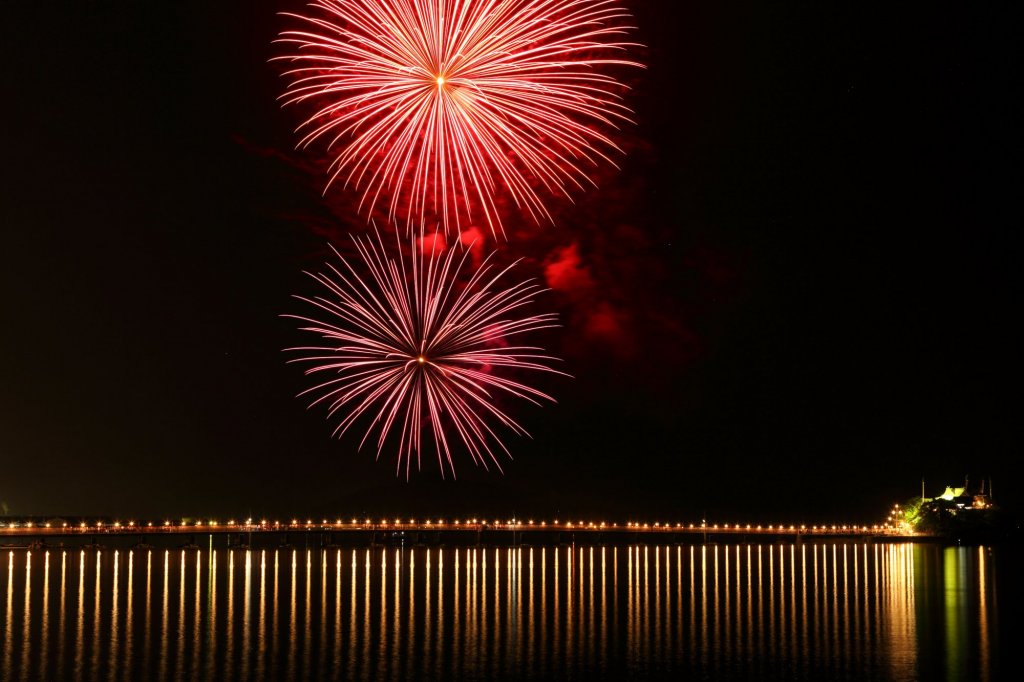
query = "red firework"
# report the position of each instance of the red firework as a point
(411, 349)
(437, 106)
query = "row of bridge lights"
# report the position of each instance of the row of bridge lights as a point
(295, 523)
(725, 526)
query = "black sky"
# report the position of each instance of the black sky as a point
(812, 250)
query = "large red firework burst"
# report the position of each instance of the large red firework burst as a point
(445, 109)
(411, 345)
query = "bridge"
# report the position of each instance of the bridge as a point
(327, 532)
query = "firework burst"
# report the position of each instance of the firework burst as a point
(422, 344)
(445, 107)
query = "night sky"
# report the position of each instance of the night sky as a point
(798, 296)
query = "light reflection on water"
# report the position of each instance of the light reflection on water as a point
(850, 611)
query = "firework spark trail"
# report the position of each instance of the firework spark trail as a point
(410, 346)
(442, 104)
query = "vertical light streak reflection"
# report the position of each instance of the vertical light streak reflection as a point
(590, 605)
(645, 625)
(129, 620)
(440, 610)
(750, 604)
(693, 602)
(9, 620)
(352, 621)
(229, 619)
(760, 602)
(396, 613)
(44, 637)
(704, 606)
(337, 613)
(164, 634)
(816, 605)
(261, 642)
(481, 620)
(531, 616)
(428, 634)
(456, 634)
(290, 661)
(517, 628)
(726, 614)
(197, 630)
(382, 644)
(179, 667)
(275, 630)
(630, 610)
(365, 658)
(615, 593)
(63, 601)
(804, 619)
(956, 612)
(26, 636)
(147, 643)
(543, 609)
(211, 620)
(113, 659)
(307, 631)
(657, 624)
(246, 626)
(97, 599)
(555, 609)
(855, 597)
(604, 603)
(322, 612)
(793, 624)
(716, 615)
(983, 643)
(835, 596)
(771, 599)
(846, 605)
(734, 622)
(80, 633)
(570, 588)
(867, 631)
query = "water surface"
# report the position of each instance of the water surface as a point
(810, 611)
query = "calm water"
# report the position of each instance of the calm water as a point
(849, 611)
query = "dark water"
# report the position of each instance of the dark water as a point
(846, 611)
